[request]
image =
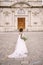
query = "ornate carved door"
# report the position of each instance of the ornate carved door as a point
(21, 23)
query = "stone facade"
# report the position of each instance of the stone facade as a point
(33, 16)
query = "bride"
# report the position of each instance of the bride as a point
(20, 49)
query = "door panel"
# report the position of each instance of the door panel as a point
(21, 23)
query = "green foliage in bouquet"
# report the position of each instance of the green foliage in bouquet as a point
(24, 38)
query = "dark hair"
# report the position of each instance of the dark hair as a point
(21, 30)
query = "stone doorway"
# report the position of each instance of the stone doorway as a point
(21, 23)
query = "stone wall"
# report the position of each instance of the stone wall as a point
(33, 18)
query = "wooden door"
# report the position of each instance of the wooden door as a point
(21, 23)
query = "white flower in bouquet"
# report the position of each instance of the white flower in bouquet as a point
(24, 38)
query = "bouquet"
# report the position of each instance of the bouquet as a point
(24, 38)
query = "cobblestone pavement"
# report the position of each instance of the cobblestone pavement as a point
(34, 45)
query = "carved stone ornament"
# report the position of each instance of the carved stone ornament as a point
(35, 23)
(36, 12)
(6, 13)
(13, 11)
(21, 11)
(7, 23)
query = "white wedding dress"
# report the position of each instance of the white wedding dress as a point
(20, 49)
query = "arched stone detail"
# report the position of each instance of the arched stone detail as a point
(21, 11)
(21, 3)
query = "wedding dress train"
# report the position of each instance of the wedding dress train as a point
(20, 49)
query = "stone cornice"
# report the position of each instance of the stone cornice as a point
(18, 7)
(21, 3)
